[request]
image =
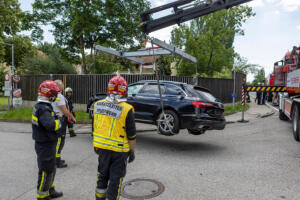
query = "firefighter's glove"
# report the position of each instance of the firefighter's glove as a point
(131, 156)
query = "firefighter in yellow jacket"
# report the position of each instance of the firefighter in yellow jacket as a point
(114, 139)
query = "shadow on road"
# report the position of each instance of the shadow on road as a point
(170, 145)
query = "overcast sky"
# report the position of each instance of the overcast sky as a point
(268, 36)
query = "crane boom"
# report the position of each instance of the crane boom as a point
(183, 10)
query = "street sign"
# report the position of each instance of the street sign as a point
(7, 88)
(7, 93)
(17, 93)
(16, 78)
(233, 95)
(17, 101)
(6, 76)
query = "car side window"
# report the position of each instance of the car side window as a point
(135, 89)
(152, 89)
(173, 90)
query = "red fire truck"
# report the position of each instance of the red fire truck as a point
(285, 82)
(287, 74)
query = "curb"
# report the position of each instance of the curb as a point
(16, 121)
(267, 115)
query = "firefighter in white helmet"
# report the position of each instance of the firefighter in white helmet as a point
(69, 93)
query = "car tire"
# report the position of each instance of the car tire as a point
(163, 128)
(196, 131)
(282, 116)
(296, 123)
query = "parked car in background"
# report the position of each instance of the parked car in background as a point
(185, 107)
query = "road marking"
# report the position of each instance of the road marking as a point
(269, 105)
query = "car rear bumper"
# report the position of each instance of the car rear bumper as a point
(204, 122)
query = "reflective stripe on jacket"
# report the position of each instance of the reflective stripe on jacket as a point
(110, 126)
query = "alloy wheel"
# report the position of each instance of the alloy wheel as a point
(166, 122)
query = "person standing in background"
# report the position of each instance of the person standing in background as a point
(61, 110)
(69, 93)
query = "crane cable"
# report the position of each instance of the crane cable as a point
(162, 118)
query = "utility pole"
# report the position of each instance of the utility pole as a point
(233, 93)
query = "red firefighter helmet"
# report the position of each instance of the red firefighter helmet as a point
(117, 85)
(288, 55)
(49, 89)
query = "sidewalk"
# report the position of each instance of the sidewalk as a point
(254, 111)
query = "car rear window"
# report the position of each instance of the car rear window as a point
(173, 90)
(197, 92)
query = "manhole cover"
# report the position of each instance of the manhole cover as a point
(140, 189)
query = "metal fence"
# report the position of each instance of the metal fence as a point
(84, 86)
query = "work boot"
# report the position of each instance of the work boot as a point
(61, 163)
(54, 194)
(72, 134)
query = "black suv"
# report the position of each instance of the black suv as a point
(185, 107)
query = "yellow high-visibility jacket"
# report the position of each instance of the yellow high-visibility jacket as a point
(110, 126)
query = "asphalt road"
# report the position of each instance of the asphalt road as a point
(259, 161)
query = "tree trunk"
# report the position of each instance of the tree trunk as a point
(209, 63)
(83, 58)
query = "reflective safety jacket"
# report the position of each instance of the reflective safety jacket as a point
(44, 124)
(110, 126)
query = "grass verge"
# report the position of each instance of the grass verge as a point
(24, 114)
(229, 109)
(3, 102)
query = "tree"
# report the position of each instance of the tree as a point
(49, 61)
(241, 65)
(46, 65)
(164, 65)
(210, 39)
(10, 17)
(80, 24)
(23, 47)
(105, 67)
(260, 77)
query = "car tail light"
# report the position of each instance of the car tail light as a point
(199, 104)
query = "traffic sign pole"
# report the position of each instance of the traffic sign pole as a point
(243, 104)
